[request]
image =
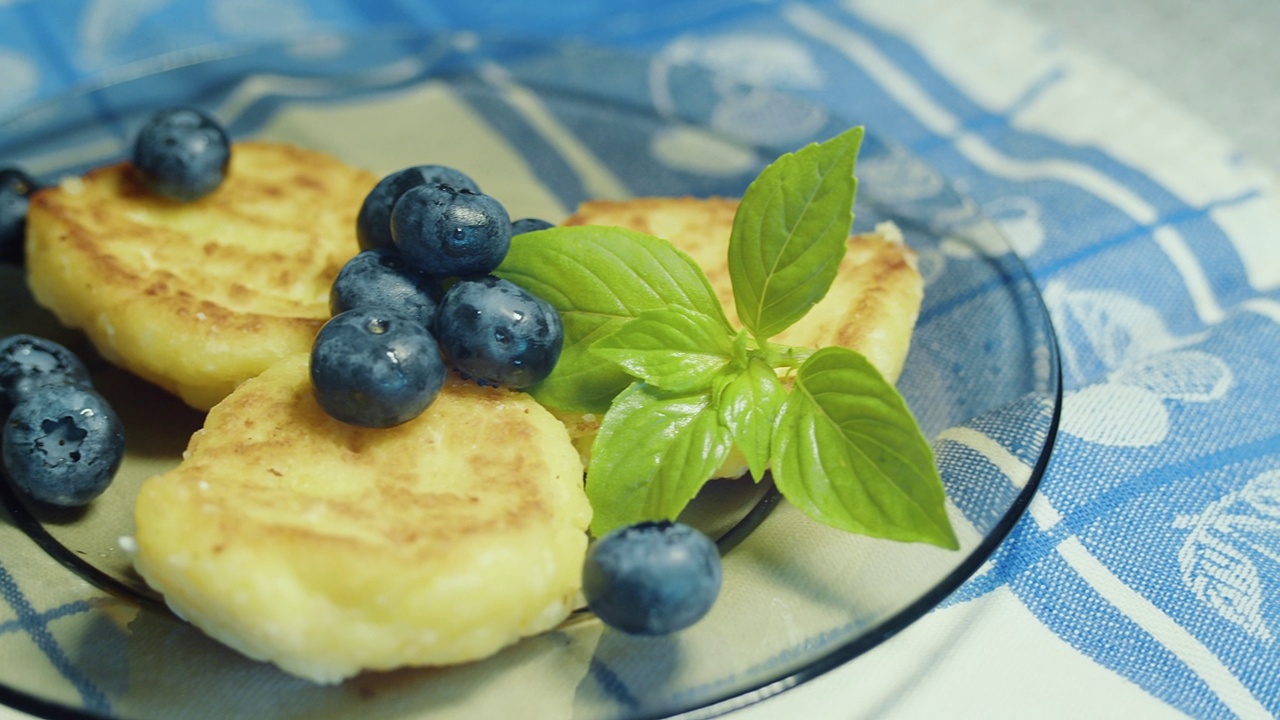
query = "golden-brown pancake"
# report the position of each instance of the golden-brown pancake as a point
(198, 297)
(871, 307)
(328, 548)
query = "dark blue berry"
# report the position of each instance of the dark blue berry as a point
(496, 333)
(28, 363)
(16, 188)
(182, 154)
(524, 225)
(373, 224)
(381, 277)
(651, 578)
(63, 445)
(447, 232)
(375, 367)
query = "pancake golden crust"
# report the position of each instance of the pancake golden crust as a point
(328, 548)
(198, 297)
(871, 307)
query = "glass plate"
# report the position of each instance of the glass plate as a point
(541, 127)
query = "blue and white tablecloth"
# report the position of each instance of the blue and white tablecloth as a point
(1145, 579)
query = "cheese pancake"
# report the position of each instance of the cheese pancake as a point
(871, 307)
(328, 548)
(198, 297)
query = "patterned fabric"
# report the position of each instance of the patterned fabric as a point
(1147, 568)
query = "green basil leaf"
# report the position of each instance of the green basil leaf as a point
(848, 452)
(654, 452)
(675, 349)
(749, 404)
(599, 278)
(742, 348)
(790, 233)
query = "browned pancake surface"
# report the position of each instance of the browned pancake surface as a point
(197, 297)
(328, 548)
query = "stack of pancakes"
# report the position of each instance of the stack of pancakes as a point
(327, 548)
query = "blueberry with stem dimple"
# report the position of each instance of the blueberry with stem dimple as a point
(375, 367)
(497, 333)
(63, 444)
(381, 277)
(373, 223)
(182, 154)
(447, 232)
(652, 578)
(16, 188)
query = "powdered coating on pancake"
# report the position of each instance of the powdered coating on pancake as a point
(198, 297)
(328, 548)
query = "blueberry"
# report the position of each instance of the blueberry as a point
(651, 578)
(63, 444)
(381, 277)
(447, 232)
(373, 224)
(524, 225)
(28, 362)
(16, 188)
(375, 367)
(182, 154)
(495, 332)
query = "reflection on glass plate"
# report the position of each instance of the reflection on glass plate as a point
(542, 128)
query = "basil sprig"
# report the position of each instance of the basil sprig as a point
(648, 344)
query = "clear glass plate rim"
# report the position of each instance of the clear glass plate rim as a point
(834, 657)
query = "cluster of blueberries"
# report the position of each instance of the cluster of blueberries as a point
(62, 441)
(418, 295)
(375, 364)
(421, 295)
